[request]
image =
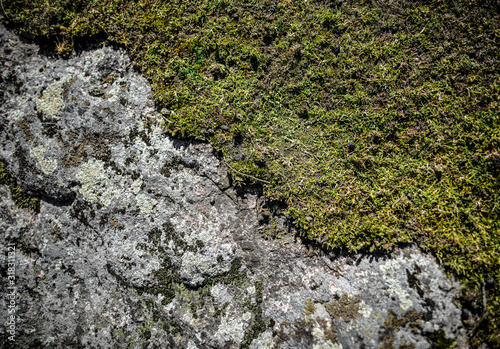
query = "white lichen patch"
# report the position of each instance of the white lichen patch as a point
(96, 186)
(264, 341)
(191, 345)
(145, 203)
(232, 327)
(221, 294)
(251, 290)
(364, 309)
(44, 164)
(97, 56)
(392, 272)
(136, 186)
(51, 102)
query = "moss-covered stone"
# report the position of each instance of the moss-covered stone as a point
(391, 326)
(438, 340)
(372, 128)
(19, 196)
(258, 323)
(345, 308)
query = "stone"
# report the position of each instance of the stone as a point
(140, 240)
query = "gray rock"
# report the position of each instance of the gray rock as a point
(140, 241)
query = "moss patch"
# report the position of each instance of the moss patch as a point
(438, 340)
(258, 325)
(394, 323)
(19, 196)
(346, 308)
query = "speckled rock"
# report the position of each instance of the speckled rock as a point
(124, 237)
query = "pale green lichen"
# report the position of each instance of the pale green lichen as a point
(51, 102)
(390, 271)
(145, 203)
(43, 163)
(264, 341)
(233, 327)
(136, 186)
(364, 309)
(95, 184)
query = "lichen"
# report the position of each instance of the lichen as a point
(326, 345)
(232, 327)
(51, 102)
(45, 164)
(391, 270)
(95, 184)
(364, 309)
(409, 117)
(145, 203)
(136, 186)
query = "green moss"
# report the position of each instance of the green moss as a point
(438, 341)
(345, 308)
(327, 330)
(232, 277)
(19, 196)
(168, 280)
(394, 323)
(258, 324)
(146, 334)
(25, 127)
(171, 327)
(154, 236)
(169, 166)
(56, 231)
(309, 308)
(5, 177)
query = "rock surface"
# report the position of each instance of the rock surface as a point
(124, 237)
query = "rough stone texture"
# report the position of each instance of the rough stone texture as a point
(140, 240)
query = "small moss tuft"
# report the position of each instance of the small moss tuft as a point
(438, 340)
(346, 308)
(392, 325)
(258, 324)
(19, 196)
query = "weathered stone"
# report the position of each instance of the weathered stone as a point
(140, 241)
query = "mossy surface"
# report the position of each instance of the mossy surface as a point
(394, 323)
(346, 308)
(19, 196)
(258, 324)
(376, 123)
(439, 341)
